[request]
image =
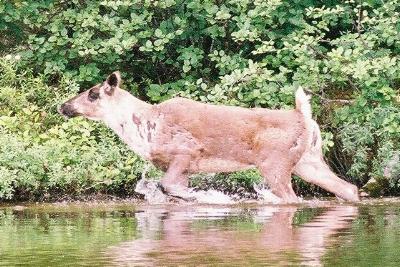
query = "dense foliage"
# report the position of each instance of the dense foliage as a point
(249, 53)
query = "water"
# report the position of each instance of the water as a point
(319, 233)
(152, 192)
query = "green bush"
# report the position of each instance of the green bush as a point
(240, 183)
(247, 53)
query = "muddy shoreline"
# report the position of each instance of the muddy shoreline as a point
(105, 201)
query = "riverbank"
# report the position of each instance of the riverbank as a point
(109, 202)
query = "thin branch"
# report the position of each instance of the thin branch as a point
(326, 100)
(359, 25)
(325, 57)
(317, 52)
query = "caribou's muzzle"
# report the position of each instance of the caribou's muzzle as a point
(68, 110)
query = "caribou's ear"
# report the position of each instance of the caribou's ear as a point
(112, 82)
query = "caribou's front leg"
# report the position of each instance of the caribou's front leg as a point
(175, 180)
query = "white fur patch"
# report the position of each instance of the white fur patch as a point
(119, 118)
(303, 103)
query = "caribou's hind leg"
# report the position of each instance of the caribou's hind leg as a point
(313, 169)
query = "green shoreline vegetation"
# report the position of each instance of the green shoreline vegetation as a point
(246, 53)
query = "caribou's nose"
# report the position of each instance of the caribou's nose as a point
(60, 109)
(67, 110)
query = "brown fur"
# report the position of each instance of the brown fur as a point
(182, 137)
(238, 136)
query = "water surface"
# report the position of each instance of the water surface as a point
(312, 234)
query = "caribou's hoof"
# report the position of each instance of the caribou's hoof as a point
(152, 191)
(178, 191)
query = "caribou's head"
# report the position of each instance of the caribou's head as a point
(96, 102)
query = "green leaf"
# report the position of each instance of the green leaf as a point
(158, 33)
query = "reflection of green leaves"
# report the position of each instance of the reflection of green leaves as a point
(306, 215)
(241, 223)
(93, 229)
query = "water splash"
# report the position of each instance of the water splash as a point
(266, 194)
(154, 194)
(152, 191)
(212, 197)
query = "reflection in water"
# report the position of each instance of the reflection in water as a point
(61, 236)
(239, 236)
(322, 233)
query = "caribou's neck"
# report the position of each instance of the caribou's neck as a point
(129, 118)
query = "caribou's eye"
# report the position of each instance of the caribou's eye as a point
(93, 95)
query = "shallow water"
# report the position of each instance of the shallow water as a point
(315, 233)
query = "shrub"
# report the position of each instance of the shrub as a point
(247, 53)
